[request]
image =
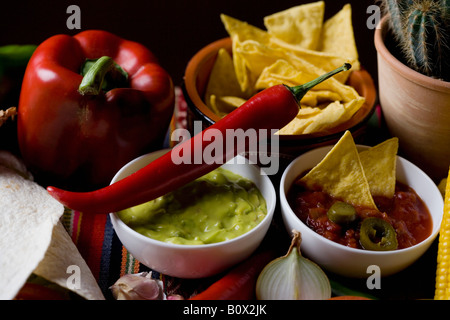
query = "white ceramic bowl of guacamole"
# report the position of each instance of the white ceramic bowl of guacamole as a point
(208, 252)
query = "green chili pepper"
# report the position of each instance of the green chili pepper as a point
(13, 62)
(15, 56)
(377, 234)
(341, 213)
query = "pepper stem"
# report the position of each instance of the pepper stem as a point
(94, 78)
(301, 90)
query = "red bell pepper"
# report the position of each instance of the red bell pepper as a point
(271, 108)
(80, 139)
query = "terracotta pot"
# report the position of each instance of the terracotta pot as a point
(416, 109)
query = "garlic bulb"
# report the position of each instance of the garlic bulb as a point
(293, 277)
(137, 287)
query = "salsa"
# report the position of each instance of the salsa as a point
(405, 212)
(218, 206)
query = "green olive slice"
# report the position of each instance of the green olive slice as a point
(341, 212)
(377, 234)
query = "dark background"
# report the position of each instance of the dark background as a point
(173, 30)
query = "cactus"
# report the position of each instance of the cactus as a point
(422, 30)
(396, 10)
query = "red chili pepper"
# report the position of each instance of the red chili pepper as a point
(69, 134)
(239, 283)
(272, 108)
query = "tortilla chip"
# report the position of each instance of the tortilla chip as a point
(338, 37)
(242, 31)
(243, 74)
(321, 61)
(254, 49)
(222, 80)
(258, 56)
(326, 118)
(340, 102)
(333, 115)
(341, 174)
(300, 26)
(222, 105)
(291, 73)
(379, 163)
(251, 57)
(304, 118)
(314, 98)
(279, 72)
(307, 111)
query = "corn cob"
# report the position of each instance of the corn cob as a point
(443, 258)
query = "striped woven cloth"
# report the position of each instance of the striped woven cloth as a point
(94, 235)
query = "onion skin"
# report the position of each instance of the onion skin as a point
(293, 277)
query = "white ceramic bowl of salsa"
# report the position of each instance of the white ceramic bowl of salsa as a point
(354, 262)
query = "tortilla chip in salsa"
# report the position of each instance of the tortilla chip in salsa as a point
(341, 174)
(379, 163)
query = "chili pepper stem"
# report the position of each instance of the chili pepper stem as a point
(300, 91)
(92, 82)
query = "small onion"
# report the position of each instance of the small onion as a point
(293, 277)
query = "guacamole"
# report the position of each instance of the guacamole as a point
(219, 206)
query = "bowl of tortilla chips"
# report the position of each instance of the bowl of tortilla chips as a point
(375, 180)
(226, 73)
